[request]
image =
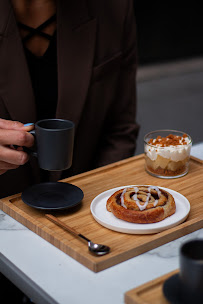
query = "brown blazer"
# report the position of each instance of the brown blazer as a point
(96, 84)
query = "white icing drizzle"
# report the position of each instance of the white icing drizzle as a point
(136, 199)
(122, 199)
(158, 192)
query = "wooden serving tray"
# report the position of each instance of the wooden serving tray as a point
(123, 246)
(149, 293)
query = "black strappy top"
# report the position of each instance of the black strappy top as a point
(43, 72)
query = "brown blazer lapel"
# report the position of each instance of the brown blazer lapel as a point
(15, 84)
(76, 43)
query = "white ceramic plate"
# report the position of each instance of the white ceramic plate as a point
(108, 220)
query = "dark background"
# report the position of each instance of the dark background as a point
(168, 30)
(170, 68)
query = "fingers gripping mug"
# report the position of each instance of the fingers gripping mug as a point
(54, 140)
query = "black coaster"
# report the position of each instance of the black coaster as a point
(52, 196)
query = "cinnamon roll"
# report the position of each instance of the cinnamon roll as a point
(141, 204)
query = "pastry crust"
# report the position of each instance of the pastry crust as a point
(141, 204)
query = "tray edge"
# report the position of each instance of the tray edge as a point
(132, 296)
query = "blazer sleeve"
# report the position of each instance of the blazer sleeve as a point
(121, 130)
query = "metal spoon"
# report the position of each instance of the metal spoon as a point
(97, 249)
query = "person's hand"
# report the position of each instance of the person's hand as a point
(14, 133)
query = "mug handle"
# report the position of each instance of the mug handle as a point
(31, 151)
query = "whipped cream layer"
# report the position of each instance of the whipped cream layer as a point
(175, 153)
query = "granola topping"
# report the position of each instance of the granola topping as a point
(170, 140)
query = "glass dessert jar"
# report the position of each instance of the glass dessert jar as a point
(167, 153)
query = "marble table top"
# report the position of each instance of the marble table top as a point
(48, 275)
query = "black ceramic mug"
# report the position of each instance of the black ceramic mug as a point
(191, 272)
(54, 140)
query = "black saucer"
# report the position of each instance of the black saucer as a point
(52, 196)
(171, 289)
